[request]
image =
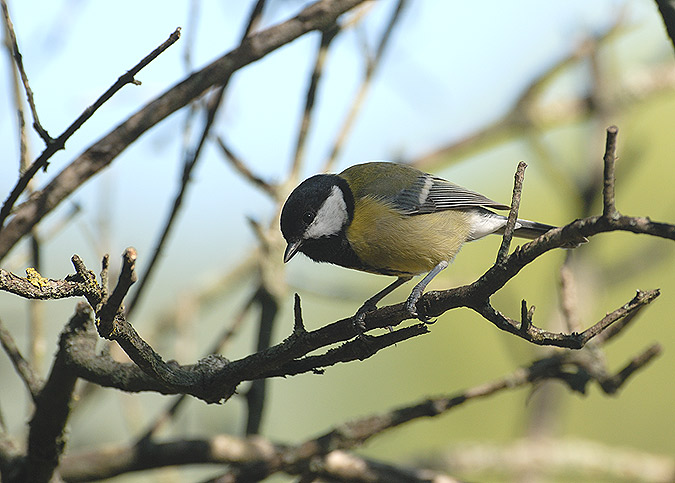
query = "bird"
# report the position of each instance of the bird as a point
(391, 219)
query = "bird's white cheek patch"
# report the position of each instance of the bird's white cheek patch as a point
(330, 218)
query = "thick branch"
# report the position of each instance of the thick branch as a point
(46, 438)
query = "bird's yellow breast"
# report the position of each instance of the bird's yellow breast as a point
(388, 240)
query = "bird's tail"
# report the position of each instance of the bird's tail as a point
(532, 229)
(486, 222)
(529, 229)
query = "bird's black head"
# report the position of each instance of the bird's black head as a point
(320, 207)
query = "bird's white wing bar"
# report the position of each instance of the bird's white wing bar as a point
(430, 194)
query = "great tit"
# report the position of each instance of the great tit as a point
(391, 219)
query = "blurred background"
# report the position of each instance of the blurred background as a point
(464, 90)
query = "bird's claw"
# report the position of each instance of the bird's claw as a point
(411, 307)
(359, 318)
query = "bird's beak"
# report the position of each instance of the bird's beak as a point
(291, 249)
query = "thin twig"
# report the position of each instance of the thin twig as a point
(526, 315)
(513, 213)
(242, 168)
(617, 327)
(188, 166)
(298, 324)
(112, 305)
(612, 384)
(18, 59)
(327, 37)
(372, 63)
(12, 50)
(608, 203)
(59, 143)
(254, 18)
(191, 160)
(639, 301)
(25, 370)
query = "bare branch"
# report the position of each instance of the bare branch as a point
(513, 213)
(371, 67)
(298, 324)
(639, 301)
(59, 143)
(611, 384)
(256, 458)
(26, 372)
(46, 438)
(241, 167)
(172, 409)
(213, 379)
(609, 207)
(327, 37)
(35, 286)
(112, 306)
(18, 59)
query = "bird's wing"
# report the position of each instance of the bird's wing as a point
(430, 194)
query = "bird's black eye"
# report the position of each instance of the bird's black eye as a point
(308, 217)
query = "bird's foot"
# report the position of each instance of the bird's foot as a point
(411, 307)
(359, 318)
